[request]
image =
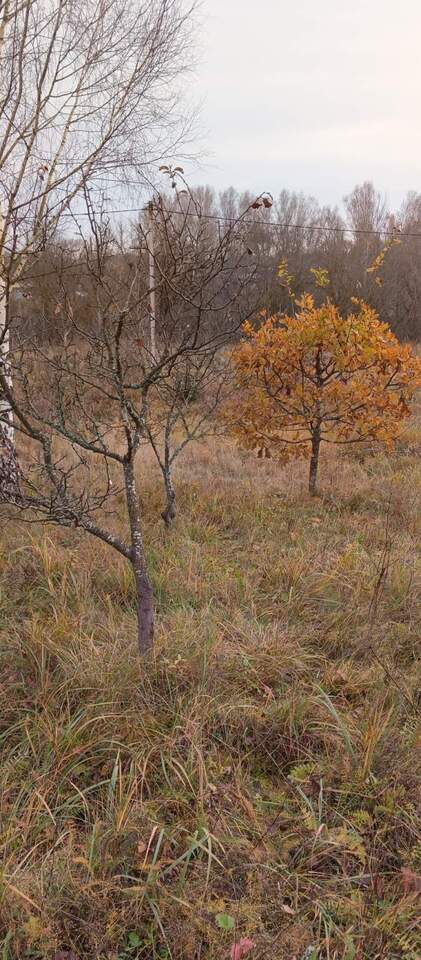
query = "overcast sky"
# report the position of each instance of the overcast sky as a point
(312, 95)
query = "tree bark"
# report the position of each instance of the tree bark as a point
(5, 411)
(314, 462)
(316, 434)
(152, 282)
(145, 608)
(169, 512)
(144, 591)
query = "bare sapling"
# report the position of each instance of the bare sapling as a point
(84, 406)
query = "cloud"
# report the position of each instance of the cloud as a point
(312, 96)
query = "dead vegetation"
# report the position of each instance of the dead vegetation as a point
(264, 766)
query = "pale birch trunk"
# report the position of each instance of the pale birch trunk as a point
(6, 416)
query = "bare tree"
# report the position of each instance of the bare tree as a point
(85, 90)
(185, 409)
(83, 407)
(205, 270)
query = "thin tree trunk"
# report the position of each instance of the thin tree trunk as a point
(145, 608)
(316, 435)
(144, 591)
(9, 467)
(5, 411)
(314, 462)
(169, 512)
(152, 282)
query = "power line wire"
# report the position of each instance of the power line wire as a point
(320, 228)
(297, 226)
(212, 217)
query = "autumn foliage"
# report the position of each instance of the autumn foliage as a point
(320, 377)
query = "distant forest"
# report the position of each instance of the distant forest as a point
(296, 229)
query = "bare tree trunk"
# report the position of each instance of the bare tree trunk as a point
(144, 592)
(152, 282)
(314, 462)
(9, 467)
(169, 512)
(316, 435)
(6, 424)
(5, 411)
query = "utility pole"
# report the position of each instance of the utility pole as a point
(152, 281)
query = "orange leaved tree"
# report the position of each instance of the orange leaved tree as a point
(319, 376)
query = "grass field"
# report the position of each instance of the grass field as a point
(257, 779)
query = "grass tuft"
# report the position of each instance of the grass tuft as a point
(263, 767)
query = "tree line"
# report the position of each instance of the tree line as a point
(295, 230)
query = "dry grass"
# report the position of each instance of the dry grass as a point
(263, 766)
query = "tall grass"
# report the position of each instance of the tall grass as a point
(263, 766)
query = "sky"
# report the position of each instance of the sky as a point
(311, 95)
